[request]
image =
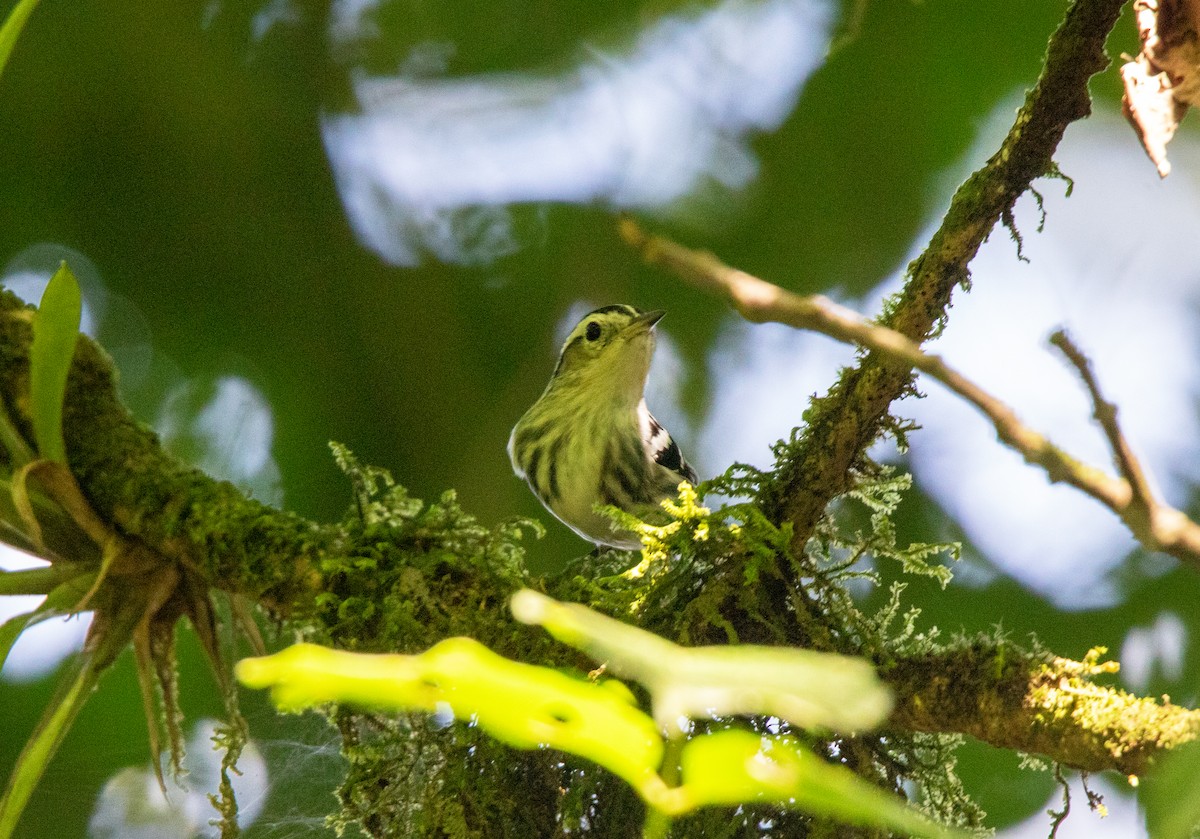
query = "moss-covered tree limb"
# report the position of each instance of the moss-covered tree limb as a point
(177, 516)
(1036, 703)
(845, 422)
(181, 513)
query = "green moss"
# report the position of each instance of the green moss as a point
(409, 573)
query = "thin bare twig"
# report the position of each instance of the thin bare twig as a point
(1154, 524)
(1141, 499)
(1095, 799)
(1157, 525)
(1059, 816)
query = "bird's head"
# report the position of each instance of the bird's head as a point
(608, 352)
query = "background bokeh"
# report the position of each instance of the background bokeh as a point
(372, 222)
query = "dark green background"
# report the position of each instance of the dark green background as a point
(184, 158)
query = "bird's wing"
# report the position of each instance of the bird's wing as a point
(664, 451)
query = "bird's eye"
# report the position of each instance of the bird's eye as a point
(593, 331)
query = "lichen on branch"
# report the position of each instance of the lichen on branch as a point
(850, 417)
(1037, 703)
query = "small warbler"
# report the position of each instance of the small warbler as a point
(589, 439)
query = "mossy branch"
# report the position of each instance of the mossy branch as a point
(1036, 703)
(845, 422)
(179, 515)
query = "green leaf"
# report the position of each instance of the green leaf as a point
(12, 28)
(807, 688)
(732, 767)
(519, 704)
(65, 705)
(60, 601)
(10, 631)
(55, 332)
(61, 535)
(13, 442)
(1171, 795)
(40, 580)
(109, 634)
(530, 707)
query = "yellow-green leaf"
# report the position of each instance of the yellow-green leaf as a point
(10, 631)
(520, 704)
(41, 580)
(732, 767)
(18, 450)
(55, 332)
(12, 28)
(110, 633)
(807, 688)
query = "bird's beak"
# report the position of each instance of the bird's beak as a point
(645, 321)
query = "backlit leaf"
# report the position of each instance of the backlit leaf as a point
(55, 332)
(808, 688)
(12, 28)
(519, 704)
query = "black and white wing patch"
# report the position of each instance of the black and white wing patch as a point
(662, 449)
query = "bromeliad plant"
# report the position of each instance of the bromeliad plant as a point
(136, 595)
(43, 512)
